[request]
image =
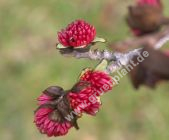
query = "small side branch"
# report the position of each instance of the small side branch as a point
(116, 60)
(123, 58)
(155, 40)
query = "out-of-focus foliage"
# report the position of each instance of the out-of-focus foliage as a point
(30, 63)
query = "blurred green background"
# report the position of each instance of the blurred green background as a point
(29, 63)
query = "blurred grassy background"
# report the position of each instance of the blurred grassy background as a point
(29, 63)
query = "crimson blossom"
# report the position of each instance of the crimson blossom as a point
(77, 34)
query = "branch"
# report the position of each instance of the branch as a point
(117, 60)
(156, 40)
(123, 58)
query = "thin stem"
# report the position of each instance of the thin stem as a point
(94, 55)
(116, 60)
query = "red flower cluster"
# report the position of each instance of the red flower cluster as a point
(55, 104)
(87, 100)
(84, 101)
(78, 33)
(99, 80)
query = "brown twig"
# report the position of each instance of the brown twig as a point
(151, 40)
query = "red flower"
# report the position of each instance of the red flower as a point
(99, 80)
(85, 101)
(50, 115)
(78, 33)
(48, 126)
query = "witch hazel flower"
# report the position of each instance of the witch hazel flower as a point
(83, 101)
(49, 116)
(78, 35)
(49, 126)
(87, 99)
(98, 79)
